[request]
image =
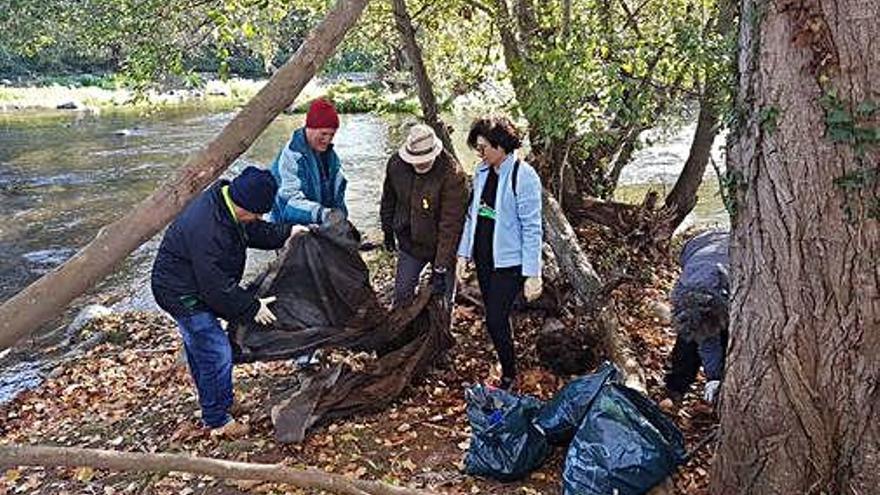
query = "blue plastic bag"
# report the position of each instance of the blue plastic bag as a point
(562, 416)
(505, 445)
(625, 445)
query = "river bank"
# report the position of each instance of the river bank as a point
(352, 93)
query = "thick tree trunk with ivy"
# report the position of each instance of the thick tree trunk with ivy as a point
(800, 400)
(427, 98)
(49, 295)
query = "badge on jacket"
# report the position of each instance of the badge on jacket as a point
(425, 204)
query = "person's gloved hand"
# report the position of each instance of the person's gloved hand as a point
(390, 242)
(438, 280)
(331, 215)
(533, 288)
(710, 391)
(460, 268)
(264, 315)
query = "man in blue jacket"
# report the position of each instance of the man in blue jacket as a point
(311, 187)
(196, 279)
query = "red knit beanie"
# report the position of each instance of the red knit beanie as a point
(322, 115)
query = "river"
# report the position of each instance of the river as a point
(64, 175)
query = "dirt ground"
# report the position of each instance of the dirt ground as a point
(132, 393)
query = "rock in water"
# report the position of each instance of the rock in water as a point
(70, 105)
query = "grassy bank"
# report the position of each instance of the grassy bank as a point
(97, 93)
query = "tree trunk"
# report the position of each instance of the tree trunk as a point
(427, 98)
(576, 267)
(19, 455)
(50, 294)
(800, 401)
(683, 196)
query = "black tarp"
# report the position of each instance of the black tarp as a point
(325, 300)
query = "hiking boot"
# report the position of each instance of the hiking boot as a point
(232, 429)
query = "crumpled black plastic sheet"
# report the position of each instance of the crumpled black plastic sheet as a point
(325, 300)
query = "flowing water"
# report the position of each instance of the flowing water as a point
(64, 176)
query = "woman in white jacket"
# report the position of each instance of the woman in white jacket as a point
(502, 231)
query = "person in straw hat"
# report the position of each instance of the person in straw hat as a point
(422, 212)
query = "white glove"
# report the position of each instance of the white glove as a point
(460, 267)
(710, 391)
(264, 316)
(533, 288)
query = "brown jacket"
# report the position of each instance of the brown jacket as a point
(425, 211)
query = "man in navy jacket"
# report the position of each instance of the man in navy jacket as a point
(196, 279)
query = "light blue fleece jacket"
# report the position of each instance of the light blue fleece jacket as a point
(518, 232)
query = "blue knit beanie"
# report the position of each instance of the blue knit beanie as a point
(254, 190)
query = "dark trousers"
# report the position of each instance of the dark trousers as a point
(688, 356)
(685, 363)
(409, 268)
(499, 288)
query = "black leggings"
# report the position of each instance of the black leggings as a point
(499, 289)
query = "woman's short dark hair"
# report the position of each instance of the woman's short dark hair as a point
(499, 131)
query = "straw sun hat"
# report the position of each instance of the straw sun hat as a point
(421, 145)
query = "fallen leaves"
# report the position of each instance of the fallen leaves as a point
(132, 395)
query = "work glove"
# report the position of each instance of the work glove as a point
(710, 391)
(438, 281)
(331, 215)
(264, 315)
(390, 242)
(460, 268)
(533, 288)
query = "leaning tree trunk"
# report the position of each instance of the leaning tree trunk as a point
(683, 196)
(800, 401)
(427, 98)
(50, 294)
(587, 284)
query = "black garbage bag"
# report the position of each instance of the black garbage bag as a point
(325, 301)
(505, 445)
(561, 417)
(625, 445)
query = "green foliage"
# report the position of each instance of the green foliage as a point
(156, 42)
(616, 71)
(843, 127)
(360, 98)
(855, 129)
(769, 118)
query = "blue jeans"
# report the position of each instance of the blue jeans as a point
(210, 362)
(409, 268)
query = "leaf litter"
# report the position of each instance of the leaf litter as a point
(134, 393)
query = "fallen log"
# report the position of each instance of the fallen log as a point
(12, 455)
(590, 289)
(51, 293)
